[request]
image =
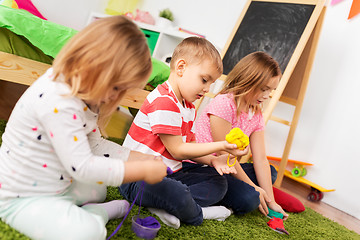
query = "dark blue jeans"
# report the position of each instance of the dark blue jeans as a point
(183, 193)
(240, 196)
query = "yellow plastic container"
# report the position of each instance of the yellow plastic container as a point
(120, 7)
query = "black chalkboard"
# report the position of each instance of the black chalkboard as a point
(272, 27)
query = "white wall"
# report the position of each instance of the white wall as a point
(69, 13)
(214, 19)
(328, 130)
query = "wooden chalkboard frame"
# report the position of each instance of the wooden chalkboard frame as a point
(293, 84)
(272, 27)
(319, 4)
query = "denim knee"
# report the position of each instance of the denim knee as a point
(180, 203)
(273, 174)
(210, 192)
(249, 202)
(170, 195)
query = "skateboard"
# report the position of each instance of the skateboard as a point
(298, 169)
(316, 193)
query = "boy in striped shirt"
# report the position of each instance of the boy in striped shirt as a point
(164, 127)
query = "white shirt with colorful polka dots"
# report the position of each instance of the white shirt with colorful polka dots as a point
(52, 138)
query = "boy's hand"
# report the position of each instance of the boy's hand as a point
(234, 150)
(221, 166)
(156, 170)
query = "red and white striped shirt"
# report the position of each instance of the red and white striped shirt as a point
(161, 113)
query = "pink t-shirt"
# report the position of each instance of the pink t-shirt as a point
(223, 106)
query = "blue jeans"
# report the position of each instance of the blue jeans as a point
(182, 193)
(241, 197)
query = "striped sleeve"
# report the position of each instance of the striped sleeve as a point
(164, 116)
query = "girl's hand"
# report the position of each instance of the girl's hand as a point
(221, 166)
(233, 149)
(277, 208)
(155, 170)
(264, 201)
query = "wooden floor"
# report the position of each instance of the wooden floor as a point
(301, 191)
(10, 92)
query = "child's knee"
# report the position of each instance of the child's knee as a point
(248, 203)
(273, 174)
(221, 186)
(184, 207)
(89, 228)
(84, 193)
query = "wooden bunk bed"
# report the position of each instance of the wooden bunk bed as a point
(26, 52)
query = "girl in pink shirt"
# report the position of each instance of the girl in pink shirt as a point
(238, 104)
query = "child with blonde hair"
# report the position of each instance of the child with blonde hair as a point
(164, 127)
(54, 163)
(238, 104)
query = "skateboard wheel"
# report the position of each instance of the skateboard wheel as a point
(304, 172)
(296, 172)
(321, 195)
(313, 197)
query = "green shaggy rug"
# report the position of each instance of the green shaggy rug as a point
(305, 225)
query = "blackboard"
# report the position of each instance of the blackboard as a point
(271, 27)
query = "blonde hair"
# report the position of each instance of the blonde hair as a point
(194, 50)
(250, 75)
(109, 52)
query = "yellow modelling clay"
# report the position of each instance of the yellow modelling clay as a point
(228, 161)
(237, 137)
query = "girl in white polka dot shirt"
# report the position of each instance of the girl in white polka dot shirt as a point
(54, 164)
(238, 104)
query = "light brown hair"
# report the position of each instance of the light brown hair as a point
(110, 51)
(194, 50)
(250, 75)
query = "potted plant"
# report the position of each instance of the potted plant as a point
(166, 18)
(166, 13)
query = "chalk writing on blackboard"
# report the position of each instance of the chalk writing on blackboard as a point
(274, 28)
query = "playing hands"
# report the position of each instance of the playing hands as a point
(221, 166)
(277, 208)
(156, 170)
(266, 202)
(234, 150)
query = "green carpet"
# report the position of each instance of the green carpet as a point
(305, 225)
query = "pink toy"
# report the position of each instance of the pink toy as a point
(145, 17)
(29, 6)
